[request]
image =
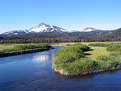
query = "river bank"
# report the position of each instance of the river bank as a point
(24, 49)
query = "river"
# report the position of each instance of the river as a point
(33, 72)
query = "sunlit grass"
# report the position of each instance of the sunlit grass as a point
(18, 49)
(65, 44)
(6, 46)
(97, 51)
(61, 44)
(85, 43)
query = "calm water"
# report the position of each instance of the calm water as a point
(33, 72)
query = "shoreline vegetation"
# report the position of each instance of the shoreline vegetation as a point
(19, 49)
(80, 59)
(75, 58)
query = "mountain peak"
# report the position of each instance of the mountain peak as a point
(43, 24)
(42, 27)
(89, 29)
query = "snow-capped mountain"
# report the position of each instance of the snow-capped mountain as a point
(42, 27)
(89, 29)
(15, 32)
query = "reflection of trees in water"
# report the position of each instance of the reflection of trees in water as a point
(42, 58)
(16, 58)
(75, 78)
(86, 77)
(110, 72)
(26, 57)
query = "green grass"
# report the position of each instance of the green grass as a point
(62, 44)
(97, 51)
(96, 60)
(87, 66)
(6, 46)
(85, 43)
(66, 44)
(23, 49)
(100, 44)
(70, 54)
(115, 48)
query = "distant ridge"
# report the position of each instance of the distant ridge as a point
(116, 33)
(46, 29)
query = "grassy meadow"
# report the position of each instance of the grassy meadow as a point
(98, 57)
(85, 43)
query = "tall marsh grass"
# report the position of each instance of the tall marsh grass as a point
(24, 48)
(72, 60)
(116, 48)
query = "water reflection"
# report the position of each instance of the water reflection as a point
(19, 69)
(33, 72)
(87, 77)
(42, 58)
(75, 78)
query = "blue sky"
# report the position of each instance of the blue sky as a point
(68, 14)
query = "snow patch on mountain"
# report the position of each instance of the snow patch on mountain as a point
(89, 29)
(42, 27)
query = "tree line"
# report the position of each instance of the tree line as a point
(60, 40)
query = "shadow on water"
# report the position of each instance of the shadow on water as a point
(86, 77)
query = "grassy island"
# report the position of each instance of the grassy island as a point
(18, 49)
(80, 59)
